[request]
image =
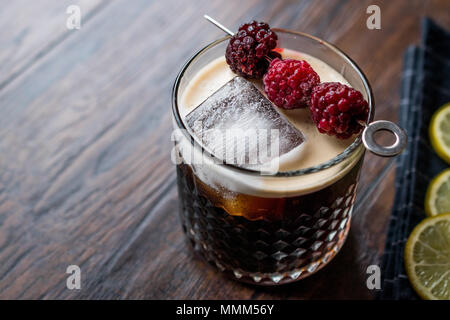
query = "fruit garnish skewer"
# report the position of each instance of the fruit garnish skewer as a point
(370, 129)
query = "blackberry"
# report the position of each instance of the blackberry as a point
(247, 49)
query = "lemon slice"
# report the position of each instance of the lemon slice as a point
(427, 258)
(437, 198)
(439, 131)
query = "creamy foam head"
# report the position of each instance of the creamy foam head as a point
(317, 149)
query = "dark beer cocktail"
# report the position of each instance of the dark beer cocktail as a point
(264, 227)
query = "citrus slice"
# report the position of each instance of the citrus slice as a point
(427, 258)
(437, 198)
(439, 131)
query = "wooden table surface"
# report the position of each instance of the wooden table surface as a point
(85, 172)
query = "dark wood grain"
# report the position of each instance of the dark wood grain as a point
(85, 171)
(33, 28)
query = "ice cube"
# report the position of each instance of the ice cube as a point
(240, 126)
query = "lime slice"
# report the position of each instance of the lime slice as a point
(427, 258)
(437, 198)
(439, 131)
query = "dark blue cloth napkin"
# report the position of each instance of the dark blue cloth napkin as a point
(425, 87)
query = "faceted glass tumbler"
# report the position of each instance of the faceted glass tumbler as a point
(285, 234)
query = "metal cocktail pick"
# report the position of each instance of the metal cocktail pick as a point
(218, 25)
(401, 139)
(226, 30)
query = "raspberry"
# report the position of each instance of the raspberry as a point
(247, 49)
(288, 83)
(337, 109)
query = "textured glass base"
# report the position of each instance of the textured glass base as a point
(274, 278)
(310, 232)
